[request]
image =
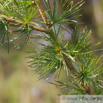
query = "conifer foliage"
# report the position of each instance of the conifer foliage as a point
(75, 56)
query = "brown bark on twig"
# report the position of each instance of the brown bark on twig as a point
(12, 20)
(70, 65)
(46, 21)
(87, 89)
(74, 72)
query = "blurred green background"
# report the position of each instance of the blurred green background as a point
(17, 82)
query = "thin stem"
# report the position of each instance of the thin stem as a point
(12, 20)
(70, 65)
(46, 21)
(87, 88)
(74, 72)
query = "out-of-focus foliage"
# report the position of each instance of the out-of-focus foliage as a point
(19, 85)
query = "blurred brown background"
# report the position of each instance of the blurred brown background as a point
(17, 82)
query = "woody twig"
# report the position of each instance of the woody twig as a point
(74, 72)
(12, 20)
